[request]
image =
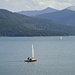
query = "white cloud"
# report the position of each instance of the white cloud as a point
(7, 0)
(62, 5)
(58, 4)
(17, 5)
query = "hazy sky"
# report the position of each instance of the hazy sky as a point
(18, 5)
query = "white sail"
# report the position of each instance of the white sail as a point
(32, 51)
(61, 37)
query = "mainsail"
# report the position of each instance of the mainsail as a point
(32, 51)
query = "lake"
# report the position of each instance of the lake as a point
(55, 56)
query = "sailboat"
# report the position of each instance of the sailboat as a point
(61, 37)
(32, 59)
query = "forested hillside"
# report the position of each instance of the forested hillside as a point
(13, 24)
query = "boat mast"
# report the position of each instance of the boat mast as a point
(32, 51)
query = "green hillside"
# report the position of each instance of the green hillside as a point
(13, 24)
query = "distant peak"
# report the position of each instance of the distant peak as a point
(49, 8)
(71, 8)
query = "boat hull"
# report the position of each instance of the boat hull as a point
(32, 60)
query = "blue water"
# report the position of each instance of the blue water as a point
(55, 56)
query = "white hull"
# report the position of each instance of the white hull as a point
(30, 60)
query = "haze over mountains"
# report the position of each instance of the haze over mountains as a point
(65, 16)
(37, 12)
(15, 24)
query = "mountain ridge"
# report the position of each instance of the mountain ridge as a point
(37, 12)
(13, 24)
(64, 16)
(71, 8)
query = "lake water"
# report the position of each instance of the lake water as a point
(55, 56)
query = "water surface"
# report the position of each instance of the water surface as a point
(55, 56)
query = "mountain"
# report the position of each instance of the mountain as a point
(71, 8)
(13, 24)
(66, 17)
(37, 12)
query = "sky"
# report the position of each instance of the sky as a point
(24, 5)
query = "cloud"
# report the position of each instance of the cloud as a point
(62, 4)
(59, 4)
(7, 0)
(17, 5)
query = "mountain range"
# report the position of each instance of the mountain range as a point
(65, 16)
(14, 24)
(37, 12)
